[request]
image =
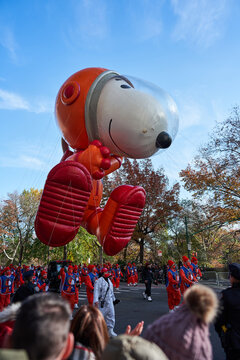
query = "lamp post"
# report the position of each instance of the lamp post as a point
(187, 237)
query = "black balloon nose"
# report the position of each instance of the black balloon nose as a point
(164, 140)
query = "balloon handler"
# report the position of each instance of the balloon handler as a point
(68, 286)
(103, 118)
(173, 289)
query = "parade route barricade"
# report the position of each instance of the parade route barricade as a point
(216, 278)
(210, 277)
(223, 278)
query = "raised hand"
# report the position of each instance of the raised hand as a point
(136, 331)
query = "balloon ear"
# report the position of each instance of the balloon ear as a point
(70, 92)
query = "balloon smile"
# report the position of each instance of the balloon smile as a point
(109, 131)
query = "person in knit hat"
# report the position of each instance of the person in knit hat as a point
(126, 347)
(172, 284)
(187, 278)
(184, 334)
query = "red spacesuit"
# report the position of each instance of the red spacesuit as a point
(6, 288)
(187, 277)
(68, 286)
(173, 290)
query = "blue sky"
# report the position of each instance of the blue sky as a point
(190, 48)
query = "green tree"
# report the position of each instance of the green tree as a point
(162, 200)
(17, 214)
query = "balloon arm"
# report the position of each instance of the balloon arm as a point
(116, 162)
(97, 159)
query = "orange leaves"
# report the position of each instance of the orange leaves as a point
(215, 171)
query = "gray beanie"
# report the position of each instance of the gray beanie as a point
(126, 347)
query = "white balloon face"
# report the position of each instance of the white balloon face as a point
(129, 121)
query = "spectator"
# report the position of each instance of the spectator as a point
(9, 354)
(42, 328)
(90, 333)
(147, 278)
(7, 319)
(228, 321)
(125, 347)
(25, 290)
(184, 334)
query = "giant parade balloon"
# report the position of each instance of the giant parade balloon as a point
(103, 117)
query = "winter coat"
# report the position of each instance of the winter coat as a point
(184, 334)
(147, 274)
(23, 292)
(229, 317)
(7, 320)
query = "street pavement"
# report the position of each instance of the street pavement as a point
(134, 308)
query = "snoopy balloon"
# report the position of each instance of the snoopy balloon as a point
(103, 118)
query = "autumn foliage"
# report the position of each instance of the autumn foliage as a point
(215, 173)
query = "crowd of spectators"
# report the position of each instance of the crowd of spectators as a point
(41, 328)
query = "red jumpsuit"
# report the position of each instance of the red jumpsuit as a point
(130, 280)
(78, 282)
(196, 271)
(135, 274)
(187, 278)
(173, 291)
(89, 282)
(118, 275)
(113, 279)
(6, 289)
(18, 278)
(42, 282)
(68, 287)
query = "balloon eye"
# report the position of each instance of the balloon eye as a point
(70, 92)
(124, 86)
